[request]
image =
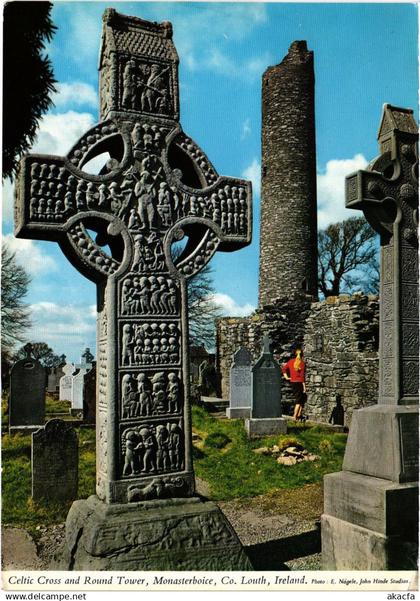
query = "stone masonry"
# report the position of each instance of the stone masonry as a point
(341, 354)
(288, 232)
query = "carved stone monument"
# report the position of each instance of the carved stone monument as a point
(27, 394)
(240, 394)
(372, 504)
(157, 187)
(266, 409)
(89, 397)
(65, 382)
(55, 462)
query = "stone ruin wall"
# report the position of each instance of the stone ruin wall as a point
(341, 350)
(340, 338)
(284, 322)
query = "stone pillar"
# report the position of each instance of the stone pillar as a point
(372, 504)
(288, 232)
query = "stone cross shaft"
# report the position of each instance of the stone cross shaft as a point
(117, 228)
(387, 193)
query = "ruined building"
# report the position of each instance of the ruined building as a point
(339, 335)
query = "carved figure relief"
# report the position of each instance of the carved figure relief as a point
(152, 448)
(150, 343)
(144, 394)
(152, 295)
(147, 87)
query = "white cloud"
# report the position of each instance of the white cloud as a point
(29, 255)
(331, 187)
(253, 172)
(246, 129)
(75, 93)
(58, 133)
(66, 328)
(230, 307)
(7, 201)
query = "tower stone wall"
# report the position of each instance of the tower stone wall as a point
(288, 234)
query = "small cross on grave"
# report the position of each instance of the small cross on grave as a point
(117, 228)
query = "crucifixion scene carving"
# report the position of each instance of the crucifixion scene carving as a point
(253, 342)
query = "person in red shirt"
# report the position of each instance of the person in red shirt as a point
(294, 372)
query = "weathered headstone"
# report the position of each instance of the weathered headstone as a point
(372, 504)
(53, 380)
(208, 379)
(266, 408)
(65, 382)
(89, 397)
(27, 395)
(55, 462)
(157, 187)
(240, 395)
(77, 386)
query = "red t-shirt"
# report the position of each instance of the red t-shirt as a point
(296, 375)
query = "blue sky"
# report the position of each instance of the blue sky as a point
(365, 55)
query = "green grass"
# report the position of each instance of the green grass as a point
(235, 471)
(55, 406)
(224, 458)
(18, 508)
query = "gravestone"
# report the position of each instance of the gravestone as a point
(266, 408)
(27, 394)
(89, 397)
(240, 395)
(65, 382)
(53, 380)
(55, 462)
(372, 504)
(77, 387)
(157, 187)
(208, 379)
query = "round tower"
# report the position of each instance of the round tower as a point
(288, 231)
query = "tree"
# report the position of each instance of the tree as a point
(27, 77)
(14, 312)
(348, 257)
(202, 310)
(40, 351)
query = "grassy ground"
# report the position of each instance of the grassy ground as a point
(18, 508)
(223, 457)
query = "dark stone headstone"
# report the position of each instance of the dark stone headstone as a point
(89, 397)
(372, 504)
(55, 462)
(157, 188)
(266, 409)
(240, 385)
(27, 395)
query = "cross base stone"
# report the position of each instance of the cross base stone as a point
(265, 426)
(238, 412)
(377, 518)
(383, 442)
(172, 534)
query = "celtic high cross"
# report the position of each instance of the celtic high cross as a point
(156, 188)
(387, 193)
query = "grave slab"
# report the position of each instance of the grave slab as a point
(27, 395)
(55, 461)
(266, 410)
(240, 395)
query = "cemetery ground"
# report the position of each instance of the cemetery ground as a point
(275, 509)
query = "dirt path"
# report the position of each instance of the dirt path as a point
(280, 531)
